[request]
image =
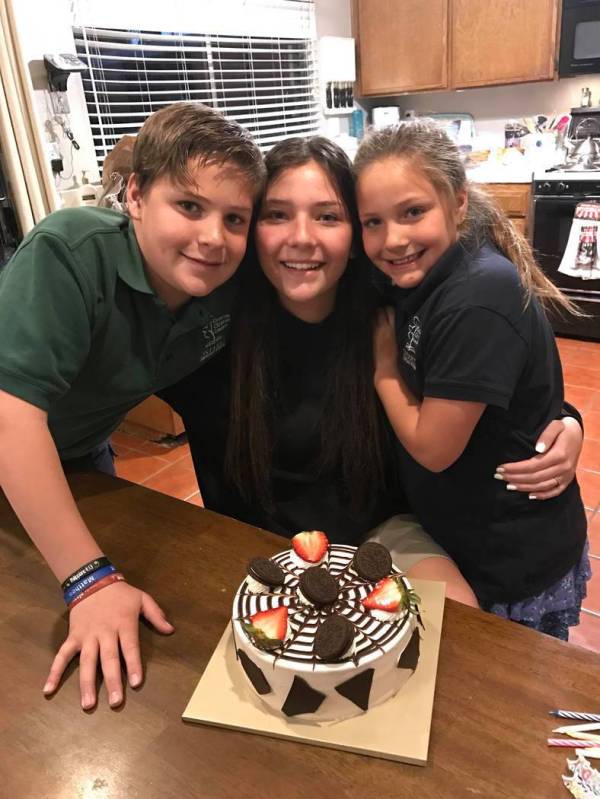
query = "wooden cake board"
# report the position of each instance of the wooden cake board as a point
(223, 697)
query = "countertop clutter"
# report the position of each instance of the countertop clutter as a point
(531, 145)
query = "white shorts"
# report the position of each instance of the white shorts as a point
(406, 540)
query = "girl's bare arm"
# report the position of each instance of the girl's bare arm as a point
(436, 431)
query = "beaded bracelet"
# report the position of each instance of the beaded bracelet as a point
(87, 581)
(88, 568)
(116, 577)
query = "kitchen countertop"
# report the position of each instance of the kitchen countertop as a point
(497, 173)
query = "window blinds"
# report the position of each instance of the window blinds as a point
(265, 82)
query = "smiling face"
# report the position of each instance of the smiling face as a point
(407, 224)
(192, 237)
(303, 240)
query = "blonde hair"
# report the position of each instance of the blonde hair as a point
(425, 143)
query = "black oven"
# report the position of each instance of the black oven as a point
(579, 38)
(554, 207)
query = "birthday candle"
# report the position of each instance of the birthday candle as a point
(584, 736)
(572, 742)
(571, 714)
(578, 728)
(589, 753)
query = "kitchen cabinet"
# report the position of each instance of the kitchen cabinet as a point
(502, 41)
(515, 201)
(401, 46)
(414, 45)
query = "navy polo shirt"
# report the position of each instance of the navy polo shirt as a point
(465, 333)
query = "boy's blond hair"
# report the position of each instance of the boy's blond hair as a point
(185, 133)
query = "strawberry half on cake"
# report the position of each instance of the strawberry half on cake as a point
(310, 548)
(391, 599)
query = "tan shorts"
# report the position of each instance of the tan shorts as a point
(406, 540)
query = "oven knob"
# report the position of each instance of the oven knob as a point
(562, 188)
(546, 187)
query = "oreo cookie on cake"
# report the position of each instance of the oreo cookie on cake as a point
(318, 587)
(334, 639)
(372, 561)
(264, 575)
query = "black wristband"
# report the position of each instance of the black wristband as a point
(89, 568)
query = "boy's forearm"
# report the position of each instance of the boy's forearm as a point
(32, 478)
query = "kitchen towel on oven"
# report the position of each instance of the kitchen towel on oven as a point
(581, 256)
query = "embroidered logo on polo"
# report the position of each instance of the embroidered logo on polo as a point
(412, 342)
(214, 333)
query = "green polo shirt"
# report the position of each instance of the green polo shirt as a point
(83, 335)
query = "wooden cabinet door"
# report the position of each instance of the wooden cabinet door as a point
(502, 41)
(513, 198)
(515, 201)
(401, 45)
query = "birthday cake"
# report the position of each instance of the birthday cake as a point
(325, 631)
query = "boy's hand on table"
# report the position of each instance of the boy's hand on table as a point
(548, 474)
(99, 628)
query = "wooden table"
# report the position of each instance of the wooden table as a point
(496, 682)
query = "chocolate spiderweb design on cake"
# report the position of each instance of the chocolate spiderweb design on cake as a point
(371, 635)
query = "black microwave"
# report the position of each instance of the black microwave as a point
(579, 38)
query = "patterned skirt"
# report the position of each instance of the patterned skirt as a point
(555, 609)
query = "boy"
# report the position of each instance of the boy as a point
(98, 311)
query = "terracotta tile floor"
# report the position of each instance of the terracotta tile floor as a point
(169, 468)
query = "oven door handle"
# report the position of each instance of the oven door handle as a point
(565, 199)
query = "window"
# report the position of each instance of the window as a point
(265, 82)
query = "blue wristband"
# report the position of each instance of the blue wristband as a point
(85, 582)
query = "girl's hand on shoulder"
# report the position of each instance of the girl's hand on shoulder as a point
(548, 474)
(102, 627)
(385, 348)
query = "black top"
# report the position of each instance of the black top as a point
(304, 498)
(464, 334)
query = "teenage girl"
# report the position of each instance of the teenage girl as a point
(290, 437)
(467, 369)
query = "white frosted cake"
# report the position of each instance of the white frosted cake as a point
(323, 631)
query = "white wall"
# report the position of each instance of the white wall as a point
(333, 17)
(45, 27)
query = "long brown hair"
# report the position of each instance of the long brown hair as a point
(353, 438)
(427, 145)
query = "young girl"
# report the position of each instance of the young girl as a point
(470, 341)
(292, 438)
